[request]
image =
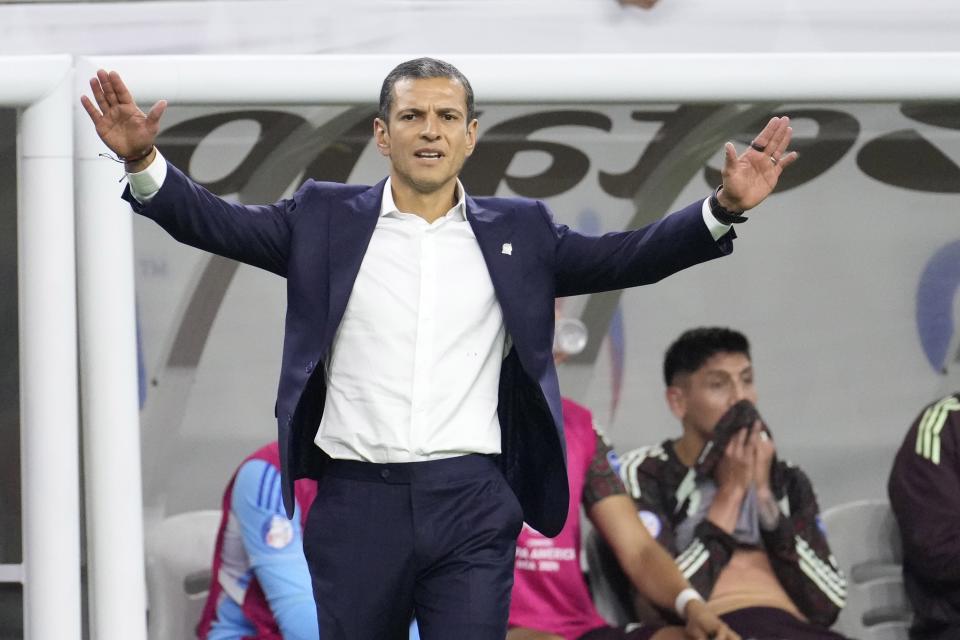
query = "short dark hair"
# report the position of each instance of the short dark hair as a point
(421, 68)
(693, 348)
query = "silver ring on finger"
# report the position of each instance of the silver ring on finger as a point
(773, 160)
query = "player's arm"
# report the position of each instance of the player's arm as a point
(646, 564)
(275, 547)
(649, 567)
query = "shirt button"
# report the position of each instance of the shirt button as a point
(385, 473)
(420, 452)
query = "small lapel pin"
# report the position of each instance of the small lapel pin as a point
(507, 249)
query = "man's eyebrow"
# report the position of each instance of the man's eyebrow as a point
(716, 373)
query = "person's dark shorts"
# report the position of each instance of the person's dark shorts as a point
(616, 633)
(767, 623)
(756, 623)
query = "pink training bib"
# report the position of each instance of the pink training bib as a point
(549, 591)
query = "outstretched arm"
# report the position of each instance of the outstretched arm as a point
(256, 235)
(618, 260)
(124, 128)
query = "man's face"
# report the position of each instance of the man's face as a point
(428, 137)
(700, 398)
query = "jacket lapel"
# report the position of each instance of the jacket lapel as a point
(351, 227)
(494, 232)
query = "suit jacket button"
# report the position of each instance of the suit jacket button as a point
(309, 367)
(385, 474)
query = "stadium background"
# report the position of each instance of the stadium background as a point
(846, 280)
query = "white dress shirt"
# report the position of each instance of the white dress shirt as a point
(414, 369)
(415, 366)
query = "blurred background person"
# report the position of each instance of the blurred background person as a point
(924, 490)
(260, 585)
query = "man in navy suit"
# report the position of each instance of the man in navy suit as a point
(418, 383)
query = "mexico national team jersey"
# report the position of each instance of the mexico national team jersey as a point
(669, 498)
(924, 491)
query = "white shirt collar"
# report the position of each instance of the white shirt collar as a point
(388, 206)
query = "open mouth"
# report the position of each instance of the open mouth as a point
(428, 155)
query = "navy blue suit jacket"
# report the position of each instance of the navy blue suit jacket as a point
(317, 239)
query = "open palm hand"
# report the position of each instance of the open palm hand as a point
(750, 177)
(123, 127)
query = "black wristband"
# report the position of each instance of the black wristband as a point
(129, 160)
(724, 216)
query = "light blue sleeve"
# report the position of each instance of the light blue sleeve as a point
(275, 547)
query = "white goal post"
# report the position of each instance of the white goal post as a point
(41, 88)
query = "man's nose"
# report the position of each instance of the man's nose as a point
(739, 392)
(430, 127)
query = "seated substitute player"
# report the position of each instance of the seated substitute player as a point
(260, 585)
(924, 489)
(550, 598)
(743, 526)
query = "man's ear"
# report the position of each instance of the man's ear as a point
(677, 401)
(472, 129)
(381, 134)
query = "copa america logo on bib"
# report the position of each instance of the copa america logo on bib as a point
(651, 522)
(277, 532)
